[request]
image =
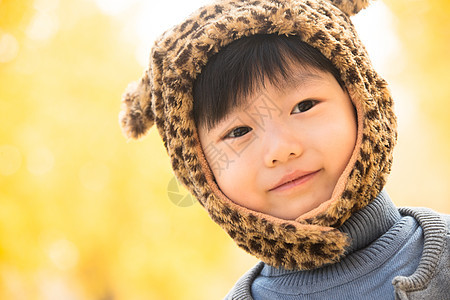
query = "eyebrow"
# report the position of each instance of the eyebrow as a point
(296, 80)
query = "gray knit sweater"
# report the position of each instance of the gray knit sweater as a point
(376, 232)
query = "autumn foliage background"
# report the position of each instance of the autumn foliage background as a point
(86, 215)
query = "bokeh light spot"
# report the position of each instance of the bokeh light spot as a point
(40, 161)
(374, 28)
(64, 254)
(9, 47)
(54, 287)
(94, 176)
(10, 160)
(43, 26)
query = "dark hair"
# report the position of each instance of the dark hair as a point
(241, 67)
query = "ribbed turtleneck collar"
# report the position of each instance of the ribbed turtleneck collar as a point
(368, 224)
(363, 227)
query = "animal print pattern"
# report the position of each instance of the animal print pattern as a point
(164, 96)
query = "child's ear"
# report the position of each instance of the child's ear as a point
(136, 116)
(350, 7)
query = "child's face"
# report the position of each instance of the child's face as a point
(283, 152)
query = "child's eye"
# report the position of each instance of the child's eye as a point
(304, 106)
(238, 132)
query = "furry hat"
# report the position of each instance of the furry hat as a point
(164, 96)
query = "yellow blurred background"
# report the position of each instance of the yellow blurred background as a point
(86, 215)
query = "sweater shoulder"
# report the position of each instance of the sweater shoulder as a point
(431, 277)
(242, 289)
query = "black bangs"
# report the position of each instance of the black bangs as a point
(240, 68)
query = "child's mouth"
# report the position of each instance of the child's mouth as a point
(292, 180)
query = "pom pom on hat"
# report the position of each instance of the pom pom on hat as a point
(136, 116)
(350, 7)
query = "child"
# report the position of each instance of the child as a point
(276, 121)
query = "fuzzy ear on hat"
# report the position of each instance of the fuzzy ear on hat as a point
(350, 7)
(137, 116)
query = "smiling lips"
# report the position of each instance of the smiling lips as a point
(292, 180)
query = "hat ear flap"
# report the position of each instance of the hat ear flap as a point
(137, 116)
(350, 7)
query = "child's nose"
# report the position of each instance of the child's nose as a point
(282, 145)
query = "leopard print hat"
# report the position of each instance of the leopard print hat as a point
(164, 96)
